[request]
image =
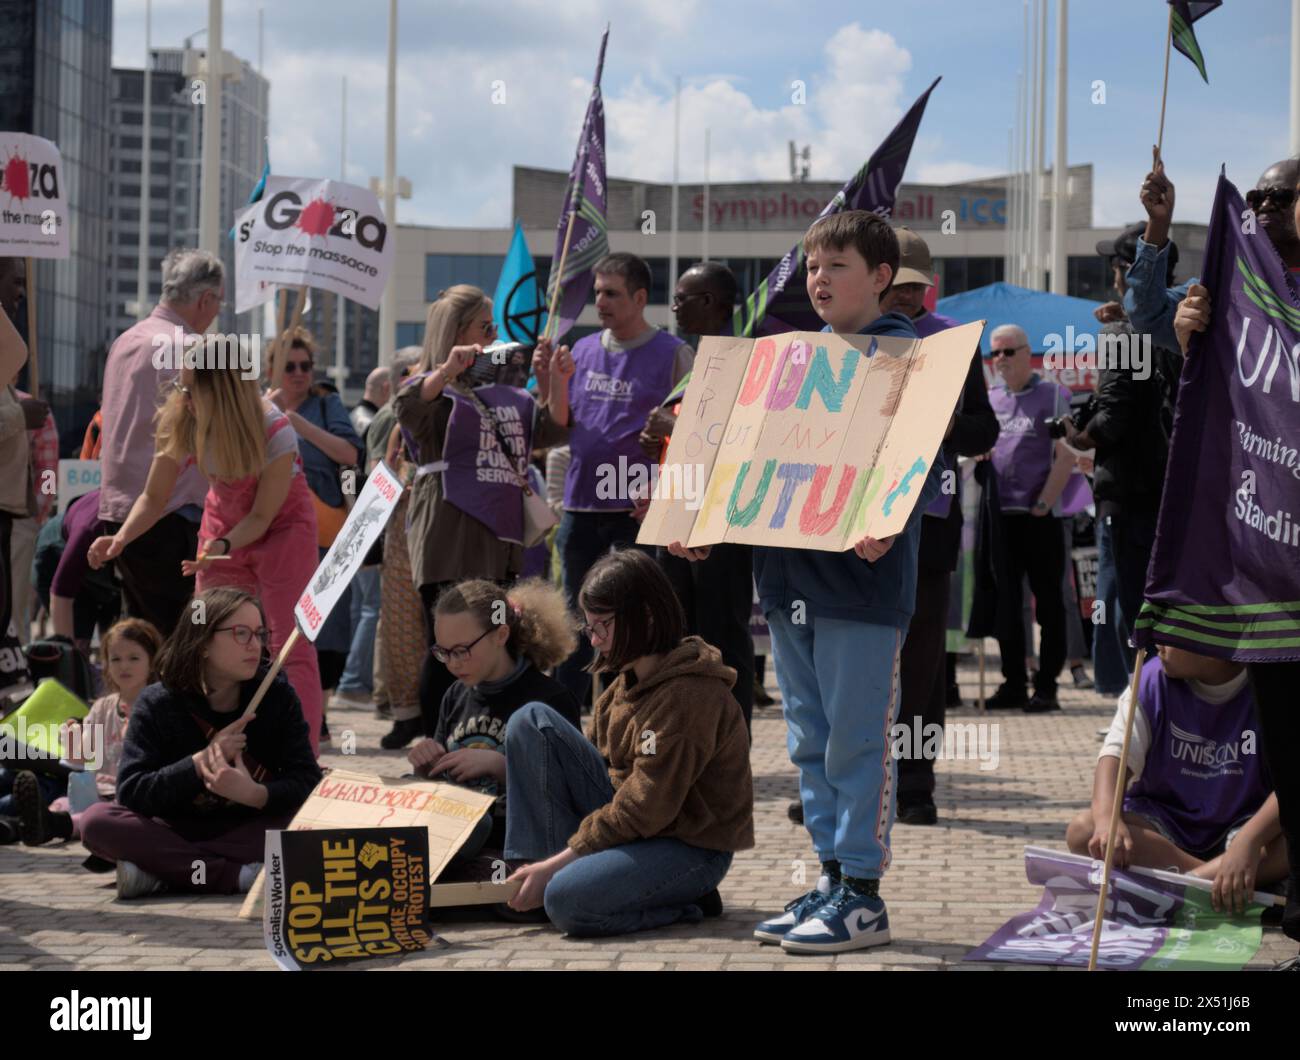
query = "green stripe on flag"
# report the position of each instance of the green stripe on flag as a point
(1185, 42)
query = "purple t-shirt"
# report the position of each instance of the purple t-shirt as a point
(1022, 456)
(81, 525)
(1199, 779)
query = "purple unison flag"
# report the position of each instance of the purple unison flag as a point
(1224, 578)
(781, 301)
(585, 197)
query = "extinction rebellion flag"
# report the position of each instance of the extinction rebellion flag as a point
(1224, 578)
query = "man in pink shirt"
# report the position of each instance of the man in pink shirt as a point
(136, 380)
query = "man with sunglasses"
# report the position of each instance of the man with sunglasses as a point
(1032, 471)
(193, 286)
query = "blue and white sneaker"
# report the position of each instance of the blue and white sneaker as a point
(847, 920)
(775, 929)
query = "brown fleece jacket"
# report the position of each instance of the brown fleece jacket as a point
(678, 755)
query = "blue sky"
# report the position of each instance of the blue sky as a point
(862, 64)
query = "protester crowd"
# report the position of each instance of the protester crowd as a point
(485, 648)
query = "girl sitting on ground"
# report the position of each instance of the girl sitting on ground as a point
(94, 744)
(635, 826)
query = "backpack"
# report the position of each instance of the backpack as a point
(59, 658)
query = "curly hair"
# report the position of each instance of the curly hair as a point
(542, 629)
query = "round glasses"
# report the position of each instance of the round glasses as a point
(460, 653)
(600, 628)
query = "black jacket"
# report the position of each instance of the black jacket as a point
(974, 432)
(1131, 427)
(157, 777)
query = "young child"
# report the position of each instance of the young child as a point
(200, 783)
(1199, 802)
(838, 666)
(635, 826)
(496, 643)
(129, 649)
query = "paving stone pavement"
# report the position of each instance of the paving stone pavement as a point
(949, 888)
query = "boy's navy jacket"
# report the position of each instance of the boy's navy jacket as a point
(840, 584)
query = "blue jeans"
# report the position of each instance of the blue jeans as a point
(359, 674)
(840, 686)
(555, 777)
(1111, 663)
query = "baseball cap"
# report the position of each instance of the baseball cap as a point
(1124, 246)
(914, 262)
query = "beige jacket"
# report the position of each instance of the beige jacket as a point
(16, 495)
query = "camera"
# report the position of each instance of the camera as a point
(1079, 416)
(506, 362)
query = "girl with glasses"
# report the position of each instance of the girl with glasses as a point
(496, 643)
(197, 784)
(259, 525)
(465, 518)
(634, 826)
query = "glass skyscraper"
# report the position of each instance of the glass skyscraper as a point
(55, 58)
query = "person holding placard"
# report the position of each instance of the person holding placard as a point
(199, 784)
(837, 621)
(259, 522)
(466, 503)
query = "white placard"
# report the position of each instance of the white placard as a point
(33, 207)
(77, 477)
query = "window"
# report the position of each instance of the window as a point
(131, 143)
(410, 334)
(132, 117)
(1089, 277)
(446, 270)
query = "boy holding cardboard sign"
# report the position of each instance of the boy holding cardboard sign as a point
(837, 621)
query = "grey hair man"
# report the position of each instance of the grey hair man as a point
(193, 287)
(378, 390)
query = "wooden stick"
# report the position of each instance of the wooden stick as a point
(253, 703)
(983, 707)
(285, 338)
(33, 367)
(1121, 782)
(559, 276)
(1164, 93)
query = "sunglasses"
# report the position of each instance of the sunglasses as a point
(680, 300)
(297, 366)
(243, 634)
(1007, 351)
(1283, 197)
(184, 391)
(459, 653)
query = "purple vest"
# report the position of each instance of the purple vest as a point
(478, 479)
(1197, 781)
(1022, 456)
(611, 394)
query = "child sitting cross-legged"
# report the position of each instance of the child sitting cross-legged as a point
(1199, 802)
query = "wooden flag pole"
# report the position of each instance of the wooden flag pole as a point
(1121, 782)
(284, 335)
(559, 276)
(1164, 93)
(33, 366)
(253, 703)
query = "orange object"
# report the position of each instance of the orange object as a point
(91, 443)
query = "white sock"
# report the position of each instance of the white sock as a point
(248, 876)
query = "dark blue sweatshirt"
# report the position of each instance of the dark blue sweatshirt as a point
(840, 584)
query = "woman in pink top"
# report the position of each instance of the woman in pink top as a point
(258, 511)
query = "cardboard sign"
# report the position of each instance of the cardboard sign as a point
(33, 203)
(364, 524)
(806, 439)
(77, 477)
(317, 233)
(345, 895)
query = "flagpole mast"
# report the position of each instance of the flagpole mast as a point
(388, 301)
(1059, 264)
(677, 143)
(1295, 77)
(340, 361)
(142, 265)
(1040, 139)
(1164, 92)
(1027, 147)
(704, 239)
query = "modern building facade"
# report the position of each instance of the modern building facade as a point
(176, 146)
(750, 227)
(55, 59)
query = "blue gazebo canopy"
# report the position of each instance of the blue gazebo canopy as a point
(1038, 312)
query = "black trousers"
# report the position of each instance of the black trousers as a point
(435, 678)
(1034, 547)
(717, 595)
(923, 675)
(1132, 537)
(1277, 706)
(153, 587)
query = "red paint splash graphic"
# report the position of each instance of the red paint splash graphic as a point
(16, 180)
(317, 218)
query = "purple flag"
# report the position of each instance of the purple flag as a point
(1153, 921)
(1224, 578)
(585, 198)
(781, 301)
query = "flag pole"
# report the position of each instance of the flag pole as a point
(1121, 782)
(284, 337)
(559, 276)
(33, 365)
(1164, 92)
(290, 641)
